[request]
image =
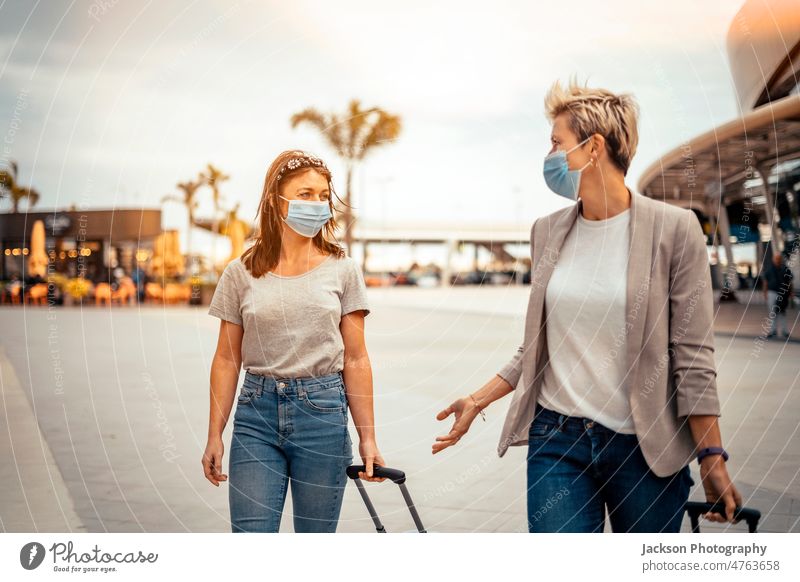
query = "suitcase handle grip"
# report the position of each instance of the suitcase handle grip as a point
(695, 508)
(377, 471)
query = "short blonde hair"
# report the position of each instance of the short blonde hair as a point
(600, 111)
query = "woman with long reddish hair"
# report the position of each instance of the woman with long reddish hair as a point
(291, 311)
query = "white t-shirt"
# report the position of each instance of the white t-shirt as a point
(585, 310)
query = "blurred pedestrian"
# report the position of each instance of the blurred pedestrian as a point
(777, 284)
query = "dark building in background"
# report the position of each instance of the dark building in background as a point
(87, 242)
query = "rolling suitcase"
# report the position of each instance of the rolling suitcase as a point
(393, 474)
(697, 508)
(694, 508)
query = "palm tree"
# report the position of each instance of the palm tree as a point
(233, 216)
(233, 213)
(237, 231)
(188, 199)
(352, 136)
(212, 177)
(9, 186)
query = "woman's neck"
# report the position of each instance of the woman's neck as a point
(604, 194)
(295, 248)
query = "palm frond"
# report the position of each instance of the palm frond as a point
(384, 130)
(328, 126)
(32, 196)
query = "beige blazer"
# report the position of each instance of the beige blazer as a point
(668, 337)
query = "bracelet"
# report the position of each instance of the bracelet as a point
(703, 453)
(483, 416)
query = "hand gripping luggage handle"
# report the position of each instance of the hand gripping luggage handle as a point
(384, 472)
(695, 508)
(377, 471)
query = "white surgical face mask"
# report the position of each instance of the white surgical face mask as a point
(307, 217)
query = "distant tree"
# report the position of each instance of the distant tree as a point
(352, 135)
(213, 177)
(189, 199)
(10, 186)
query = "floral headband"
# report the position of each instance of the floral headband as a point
(306, 160)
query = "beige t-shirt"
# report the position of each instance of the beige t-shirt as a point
(291, 324)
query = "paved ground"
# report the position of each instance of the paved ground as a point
(104, 416)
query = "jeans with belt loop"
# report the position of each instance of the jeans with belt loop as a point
(578, 468)
(289, 432)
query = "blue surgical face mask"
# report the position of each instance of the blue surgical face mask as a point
(559, 178)
(307, 217)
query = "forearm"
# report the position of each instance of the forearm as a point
(224, 379)
(358, 385)
(705, 430)
(493, 390)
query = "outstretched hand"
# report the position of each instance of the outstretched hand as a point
(465, 412)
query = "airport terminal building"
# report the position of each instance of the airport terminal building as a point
(742, 179)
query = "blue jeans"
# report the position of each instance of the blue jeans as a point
(578, 468)
(289, 431)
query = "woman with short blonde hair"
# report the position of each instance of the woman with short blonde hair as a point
(615, 382)
(598, 111)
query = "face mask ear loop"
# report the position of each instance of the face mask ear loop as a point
(287, 210)
(572, 149)
(589, 163)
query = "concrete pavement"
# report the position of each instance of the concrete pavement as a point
(120, 399)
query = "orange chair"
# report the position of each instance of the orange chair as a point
(153, 292)
(14, 291)
(125, 293)
(102, 294)
(177, 293)
(38, 294)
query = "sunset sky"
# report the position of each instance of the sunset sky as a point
(112, 103)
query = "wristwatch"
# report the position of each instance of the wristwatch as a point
(711, 451)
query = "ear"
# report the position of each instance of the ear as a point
(598, 143)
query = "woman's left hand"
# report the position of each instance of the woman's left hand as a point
(718, 486)
(370, 455)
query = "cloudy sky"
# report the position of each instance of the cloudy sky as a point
(110, 103)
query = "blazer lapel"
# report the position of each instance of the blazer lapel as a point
(550, 242)
(553, 240)
(640, 261)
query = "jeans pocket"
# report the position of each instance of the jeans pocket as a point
(325, 398)
(246, 394)
(542, 429)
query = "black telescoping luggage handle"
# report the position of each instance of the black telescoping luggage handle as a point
(694, 508)
(377, 471)
(384, 472)
(697, 508)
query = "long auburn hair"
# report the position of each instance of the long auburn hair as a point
(264, 255)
